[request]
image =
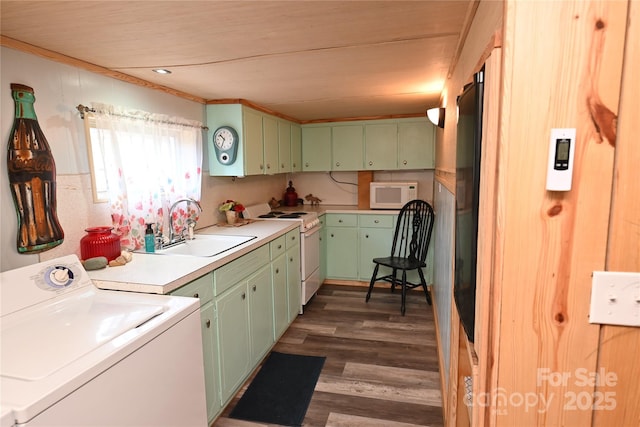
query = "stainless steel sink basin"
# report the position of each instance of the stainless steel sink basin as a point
(206, 245)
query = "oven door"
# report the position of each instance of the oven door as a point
(310, 252)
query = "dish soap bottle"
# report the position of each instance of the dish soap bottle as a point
(149, 239)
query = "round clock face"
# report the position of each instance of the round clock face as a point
(224, 138)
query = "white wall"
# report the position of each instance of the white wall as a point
(340, 188)
(59, 89)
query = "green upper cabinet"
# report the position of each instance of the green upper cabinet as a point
(381, 146)
(264, 141)
(316, 148)
(386, 144)
(346, 147)
(271, 138)
(296, 148)
(416, 145)
(284, 146)
(253, 142)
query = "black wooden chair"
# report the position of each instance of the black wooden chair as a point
(409, 250)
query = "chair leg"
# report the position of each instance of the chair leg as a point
(373, 280)
(404, 290)
(393, 280)
(423, 282)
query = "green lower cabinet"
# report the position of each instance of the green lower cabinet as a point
(232, 309)
(293, 282)
(280, 297)
(210, 349)
(342, 253)
(202, 288)
(374, 243)
(260, 313)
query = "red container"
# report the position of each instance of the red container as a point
(100, 241)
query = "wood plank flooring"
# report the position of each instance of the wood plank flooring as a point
(381, 368)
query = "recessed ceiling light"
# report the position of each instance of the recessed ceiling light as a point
(161, 71)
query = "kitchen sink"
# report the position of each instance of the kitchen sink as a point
(206, 245)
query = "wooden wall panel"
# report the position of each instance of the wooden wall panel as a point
(619, 346)
(562, 68)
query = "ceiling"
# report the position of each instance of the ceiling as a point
(308, 60)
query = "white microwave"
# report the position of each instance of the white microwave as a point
(391, 195)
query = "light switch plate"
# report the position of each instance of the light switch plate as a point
(615, 298)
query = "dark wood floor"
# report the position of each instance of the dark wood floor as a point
(381, 368)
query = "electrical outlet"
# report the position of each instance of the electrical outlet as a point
(615, 298)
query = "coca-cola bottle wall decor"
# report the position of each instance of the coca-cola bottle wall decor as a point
(32, 177)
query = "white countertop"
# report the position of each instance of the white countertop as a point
(350, 209)
(161, 274)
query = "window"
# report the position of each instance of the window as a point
(140, 163)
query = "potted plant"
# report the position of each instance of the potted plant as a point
(231, 208)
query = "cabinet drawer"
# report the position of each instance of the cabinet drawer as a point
(278, 246)
(374, 221)
(342, 220)
(230, 274)
(293, 238)
(201, 288)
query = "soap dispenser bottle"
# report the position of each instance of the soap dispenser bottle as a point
(149, 239)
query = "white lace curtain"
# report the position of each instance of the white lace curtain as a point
(151, 160)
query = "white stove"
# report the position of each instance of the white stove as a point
(308, 220)
(309, 244)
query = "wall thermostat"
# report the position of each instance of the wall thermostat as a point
(560, 165)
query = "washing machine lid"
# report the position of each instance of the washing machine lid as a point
(42, 339)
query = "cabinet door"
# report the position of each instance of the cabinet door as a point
(316, 149)
(342, 253)
(261, 313)
(381, 146)
(284, 146)
(210, 350)
(253, 145)
(296, 148)
(347, 148)
(323, 249)
(374, 243)
(233, 339)
(293, 282)
(416, 142)
(270, 141)
(280, 297)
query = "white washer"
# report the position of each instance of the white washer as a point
(75, 355)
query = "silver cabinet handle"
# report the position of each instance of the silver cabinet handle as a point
(306, 164)
(261, 166)
(337, 163)
(254, 288)
(376, 221)
(277, 272)
(282, 166)
(339, 220)
(208, 323)
(294, 165)
(268, 165)
(279, 246)
(404, 162)
(370, 163)
(196, 295)
(244, 295)
(291, 259)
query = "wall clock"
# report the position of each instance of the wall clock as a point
(225, 143)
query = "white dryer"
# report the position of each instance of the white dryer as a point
(75, 355)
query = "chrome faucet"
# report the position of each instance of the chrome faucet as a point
(190, 223)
